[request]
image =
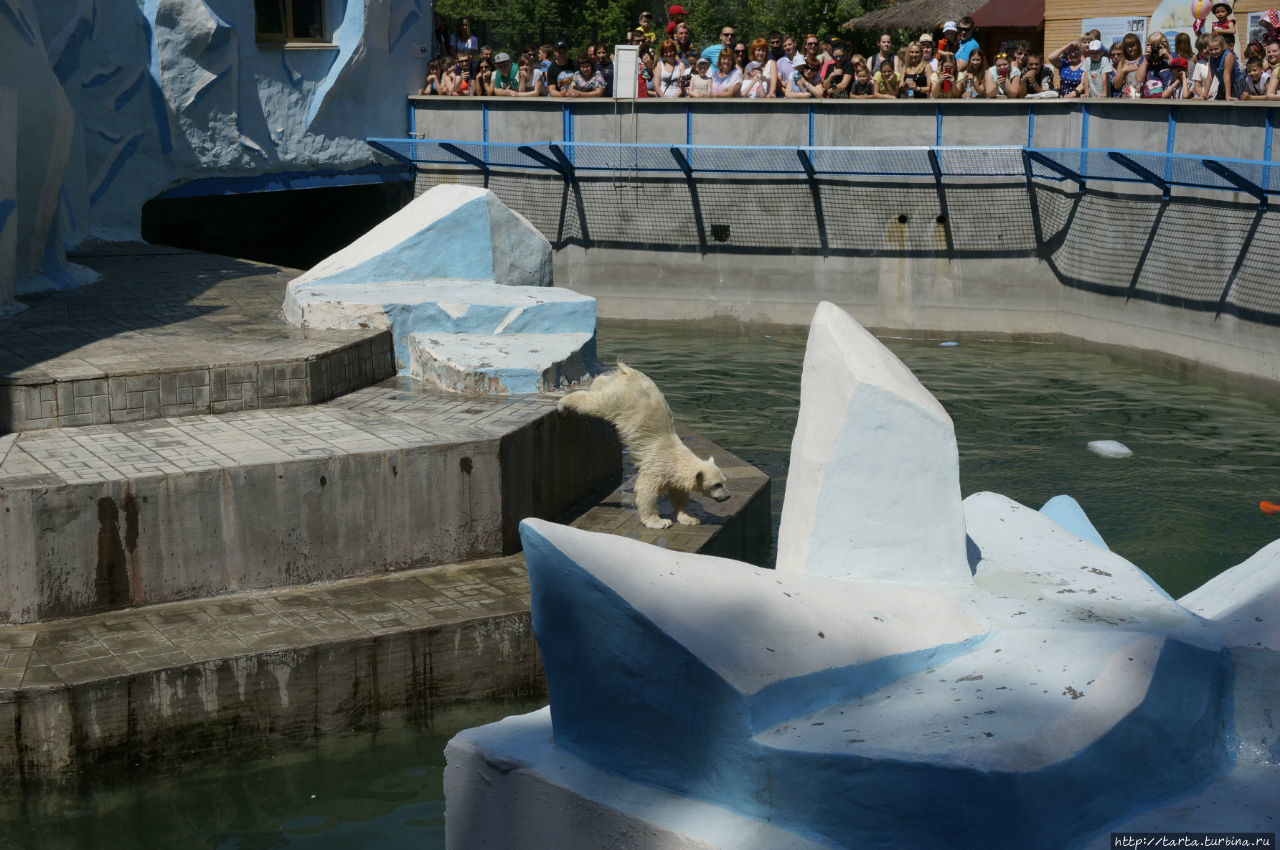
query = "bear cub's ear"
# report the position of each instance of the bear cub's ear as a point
(697, 479)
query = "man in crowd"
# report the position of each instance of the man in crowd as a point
(504, 75)
(712, 52)
(968, 42)
(560, 65)
(787, 63)
(775, 45)
(684, 45)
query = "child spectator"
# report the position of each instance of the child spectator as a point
(587, 81)
(1070, 71)
(885, 78)
(1182, 47)
(754, 84)
(972, 80)
(1255, 81)
(432, 83)
(646, 29)
(1114, 81)
(1225, 68)
(804, 79)
(838, 76)
(863, 86)
(539, 80)
(675, 17)
(1004, 78)
(1038, 79)
(646, 72)
(726, 79)
(915, 73)
(604, 64)
(950, 38)
(700, 83)
(1204, 84)
(1096, 70)
(945, 81)
(1179, 87)
(1223, 23)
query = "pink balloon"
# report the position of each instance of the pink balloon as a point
(1200, 9)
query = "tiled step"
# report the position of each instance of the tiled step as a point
(384, 478)
(171, 680)
(172, 333)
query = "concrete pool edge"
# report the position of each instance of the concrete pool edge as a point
(403, 646)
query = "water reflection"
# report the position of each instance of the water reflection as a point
(1184, 507)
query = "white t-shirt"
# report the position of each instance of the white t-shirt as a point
(1202, 73)
(1014, 73)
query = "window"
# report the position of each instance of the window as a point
(289, 20)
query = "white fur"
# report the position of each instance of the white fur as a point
(636, 407)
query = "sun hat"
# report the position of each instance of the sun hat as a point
(751, 66)
(646, 14)
(676, 10)
(925, 37)
(1226, 6)
(1095, 46)
(950, 26)
(1178, 62)
(500, 58)
(702, 60)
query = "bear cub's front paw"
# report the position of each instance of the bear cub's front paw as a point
(687, 519)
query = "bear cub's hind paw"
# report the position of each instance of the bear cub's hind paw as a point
(687, 519)
(657, 523)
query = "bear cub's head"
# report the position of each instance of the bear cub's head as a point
(710, 480)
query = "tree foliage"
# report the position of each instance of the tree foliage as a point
(508, 24)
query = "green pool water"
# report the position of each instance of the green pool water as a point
(1183, 507)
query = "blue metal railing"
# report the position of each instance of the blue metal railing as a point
(1162, 170)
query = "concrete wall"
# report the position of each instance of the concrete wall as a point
(8, 196)
(140, 98)
(1114, 269)
(184, 536)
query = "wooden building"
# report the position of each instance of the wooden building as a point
(1063, 19)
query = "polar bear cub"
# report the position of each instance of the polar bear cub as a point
(636, 407)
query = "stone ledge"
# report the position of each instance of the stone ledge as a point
(166, 681)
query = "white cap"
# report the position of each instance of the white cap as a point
(1095, 45)
(950, 25)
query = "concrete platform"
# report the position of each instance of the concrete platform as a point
(384, 478)
(253, 669)
(168, 332)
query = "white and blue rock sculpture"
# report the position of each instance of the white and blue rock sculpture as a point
(1040, 692)
(464, 284)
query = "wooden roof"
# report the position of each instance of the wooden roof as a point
(916, 14)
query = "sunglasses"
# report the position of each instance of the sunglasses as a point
(727, 34)
(811, 44)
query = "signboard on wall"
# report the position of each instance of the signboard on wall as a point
(1114, 29)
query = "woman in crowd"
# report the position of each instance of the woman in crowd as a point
(1004, 80)
(462, 40)
(759, 52)
(944, 82)
(973, 79)
(804, 79)
(885, 46)
(1271, 56)
(669, 73)
(484, 78)
(432, 84)
(587, 80)
(837, 77)
(1038, 80)
(726, 79)
(740, 54)
(1182, 47)
(1069, 58)
(1131, 73)
(1114, 82)
(915, 72)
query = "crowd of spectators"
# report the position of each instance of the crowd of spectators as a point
(952, 65)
